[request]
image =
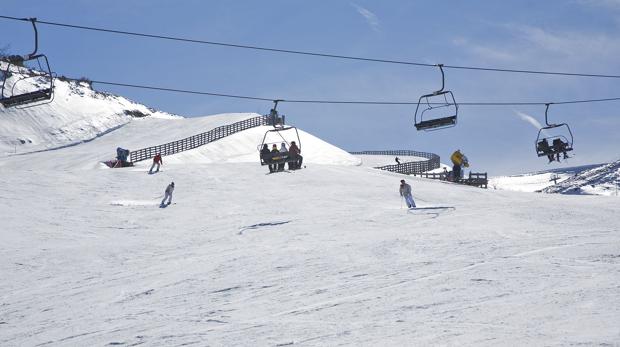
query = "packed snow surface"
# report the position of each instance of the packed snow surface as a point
(383, 160)
(325, 255)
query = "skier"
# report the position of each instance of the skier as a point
(405, 192)
(397, 160)
(294, 152)
(156, 161)
(167, 195)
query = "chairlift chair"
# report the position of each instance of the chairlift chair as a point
(278, 128)
(10, 96)
(555, 144)
(436, 110)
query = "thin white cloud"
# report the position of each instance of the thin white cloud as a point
(370, 17)
(484, 51)
(533, 46)
(612, 4)
(570, 43)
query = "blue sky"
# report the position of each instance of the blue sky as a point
(573, 36)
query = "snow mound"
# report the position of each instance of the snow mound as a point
(244, 147)
(76, 114)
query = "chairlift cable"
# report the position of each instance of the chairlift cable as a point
(324, 55)
(181, 91)
(347, 102)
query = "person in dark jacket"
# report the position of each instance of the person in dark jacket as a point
(559, 146)
(295, 153)
(265, 155)
(543, 146)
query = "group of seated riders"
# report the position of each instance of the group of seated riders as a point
(553, 152)
(276, 158)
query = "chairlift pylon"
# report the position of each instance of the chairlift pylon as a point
(553, 146)
(11, 96)
(426, 119)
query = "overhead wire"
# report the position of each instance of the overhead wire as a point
(310, 101)
(355, 102)
(317, 54)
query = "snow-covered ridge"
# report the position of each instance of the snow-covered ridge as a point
(599, 179)
(76, 114)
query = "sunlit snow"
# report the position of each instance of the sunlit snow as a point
(325, 255)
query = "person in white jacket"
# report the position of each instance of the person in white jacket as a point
(168, 194)
(405, 192)
(284, 152)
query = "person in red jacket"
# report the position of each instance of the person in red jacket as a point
(156, 161)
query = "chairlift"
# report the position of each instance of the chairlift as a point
(553, 145)
(36, 85)
(436, 110)
(279, 127)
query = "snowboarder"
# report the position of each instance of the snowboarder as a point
(405, 192)
(168, 195)
(294, 153)
(156, 161)
(397, 160)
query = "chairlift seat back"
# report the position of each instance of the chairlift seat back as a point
(550, 148)
(431, 115)
(9, 97)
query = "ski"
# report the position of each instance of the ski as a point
(432, 208)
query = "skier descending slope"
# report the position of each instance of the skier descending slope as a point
(156, 162)
(405, 192)
(167, 195)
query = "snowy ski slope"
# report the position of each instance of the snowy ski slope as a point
(321, 256)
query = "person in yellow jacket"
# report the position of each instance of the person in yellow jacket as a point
(458, 160)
